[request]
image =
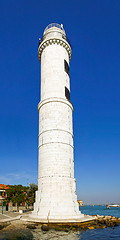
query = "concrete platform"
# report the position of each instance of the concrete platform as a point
(86, 218)
(13, 216)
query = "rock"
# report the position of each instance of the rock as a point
(110, 224)
(108, 217)
(66, 230)
(10, 233)
(3, 225)
(100, 226)
(118, 220)
(45, 227)
(100, 216)
(73, 229)
(31, 226)
(104, 226)
(91, 227)
(101, 221)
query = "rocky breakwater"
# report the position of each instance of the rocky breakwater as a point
(106, 221)
(28, 230)
(98, 222)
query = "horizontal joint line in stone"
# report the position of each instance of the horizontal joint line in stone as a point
(56, 176)
(55, 142)
(55, 130)
(55, 99)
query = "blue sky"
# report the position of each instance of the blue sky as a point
(93, 28)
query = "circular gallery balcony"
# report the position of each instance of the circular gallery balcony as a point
(56, 27)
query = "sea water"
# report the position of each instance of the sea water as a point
(106, 233)
(94, 234)
(100, 210)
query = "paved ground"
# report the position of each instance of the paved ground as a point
(11, 215)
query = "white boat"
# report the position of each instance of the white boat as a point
(113, 205)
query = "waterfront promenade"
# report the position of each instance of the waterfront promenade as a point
(11, 216)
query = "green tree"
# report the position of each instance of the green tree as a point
(31, 193)
(17, 194)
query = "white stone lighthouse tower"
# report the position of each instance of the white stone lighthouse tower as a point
(56, 198)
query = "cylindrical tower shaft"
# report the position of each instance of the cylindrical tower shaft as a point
(56, 197)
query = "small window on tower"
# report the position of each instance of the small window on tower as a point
(67, 93)
(66, 67)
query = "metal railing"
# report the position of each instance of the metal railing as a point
(54, 25)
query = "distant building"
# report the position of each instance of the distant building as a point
(3, 194)
(80, 202)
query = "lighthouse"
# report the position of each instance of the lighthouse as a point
(56, 198)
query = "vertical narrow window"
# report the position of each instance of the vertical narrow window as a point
(67, 93)
(66, 67)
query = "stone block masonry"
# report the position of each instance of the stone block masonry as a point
(56, 198)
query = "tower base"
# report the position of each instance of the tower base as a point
(55, 218)
(59, 210)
